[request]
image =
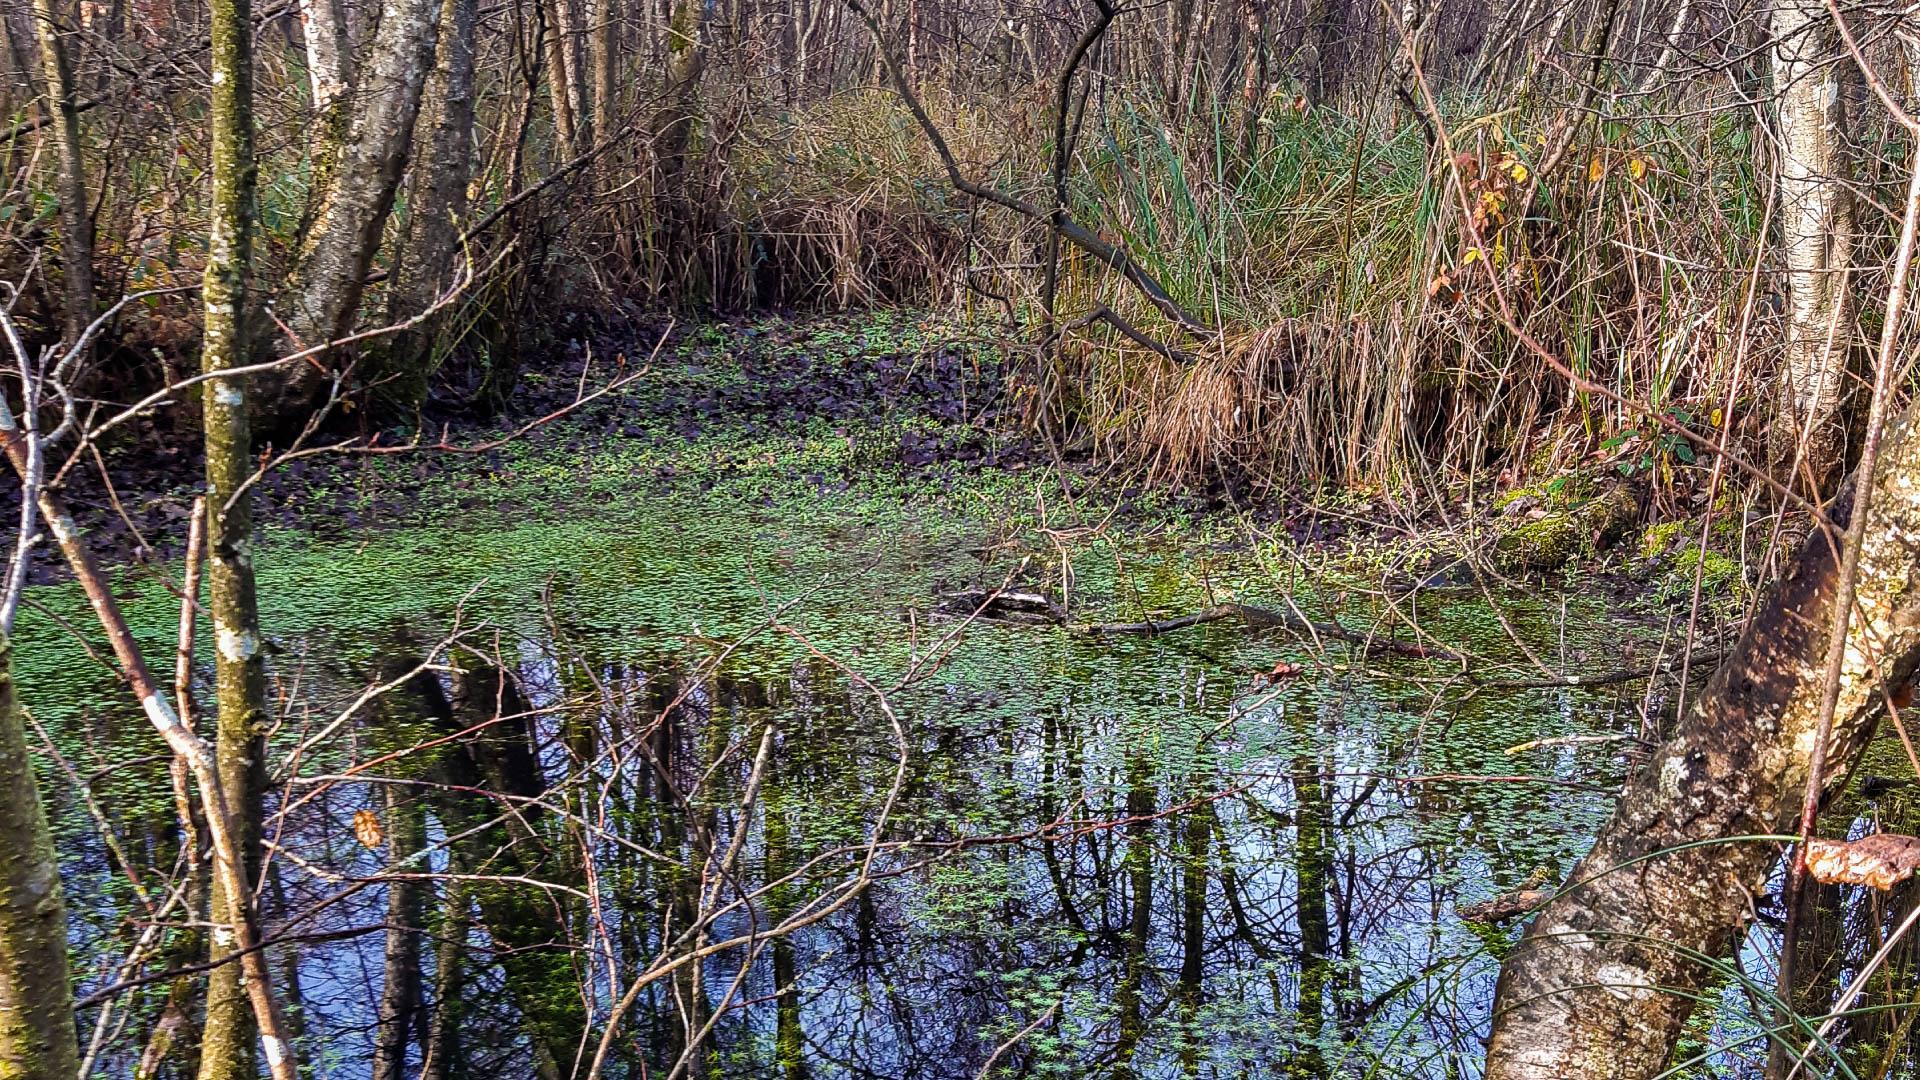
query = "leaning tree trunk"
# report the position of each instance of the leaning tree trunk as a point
(36, 1000)
(438, 197)
(76, 214)
(1816, 215)
(1608, 972)
(323, 294)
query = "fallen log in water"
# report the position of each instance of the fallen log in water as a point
(1267, 618)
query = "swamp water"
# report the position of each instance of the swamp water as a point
(1064, 854)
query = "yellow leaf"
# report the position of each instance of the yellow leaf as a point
(1518, 171)
(366, 828)
(1715, 418)
(1638, 167)
(1596, 170)
(1472, 254)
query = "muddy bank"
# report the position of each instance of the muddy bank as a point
(901, 403)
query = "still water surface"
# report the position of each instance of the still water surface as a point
(1135, 852)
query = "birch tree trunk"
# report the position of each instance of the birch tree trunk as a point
(76, 212)
(1604, 979)
(240, 686)
(1816, 215)
(37, 1039)
(323, 293)
(325, 33)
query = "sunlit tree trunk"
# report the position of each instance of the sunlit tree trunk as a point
(37, 1040)
(437, 195)
(226, 1047)
(1604, 979)
(325, 32)
(323, 294)
(53, 25)
(228, 861)
(1816, 227)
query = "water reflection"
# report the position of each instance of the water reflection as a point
(1175, 876)
(767, 858)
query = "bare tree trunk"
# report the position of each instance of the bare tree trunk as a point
(240, 680)
(673, 131)
(602, 61)
(1606, 975)
(438, 197)
(323, 294)
(325, 31)
(1816, 214)
(560, 69)
(37, 1038)
(76, 212)
(1668, 46)
(1324, 30)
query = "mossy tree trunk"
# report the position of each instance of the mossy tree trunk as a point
(323, 293)
(1610, 970)
(37, 1040)
(437, 195)
(233, 999)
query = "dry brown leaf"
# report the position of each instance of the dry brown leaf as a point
(366, 828)
(1882, 860)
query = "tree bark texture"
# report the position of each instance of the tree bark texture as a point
(323, 294)
(37, 1040)
(1599, 985)
(1816, 238)
(325, 31)
(236, 992)
(437, 196)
